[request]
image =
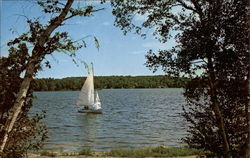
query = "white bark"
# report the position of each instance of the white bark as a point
(217, 109)
(16, 109)
(247, 155)
(30, 70)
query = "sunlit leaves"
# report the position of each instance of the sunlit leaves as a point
(156, 16)
(84, 44)
(47, 64)
(85, 11)
(50, 6)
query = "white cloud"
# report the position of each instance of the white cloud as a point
(93, 2)
(79, 22)
(138, 52)
(140, 18)
(64, 60)
(106, 23)
(155, 45)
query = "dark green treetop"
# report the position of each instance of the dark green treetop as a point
(213, 49)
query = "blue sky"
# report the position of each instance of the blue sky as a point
(118, 54)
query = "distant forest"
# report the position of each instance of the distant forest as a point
(109, 82)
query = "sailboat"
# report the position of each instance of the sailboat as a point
(88, 100)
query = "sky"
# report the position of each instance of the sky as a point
(118, 54)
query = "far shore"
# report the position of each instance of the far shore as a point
(68, 90)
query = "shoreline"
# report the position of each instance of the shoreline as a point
(160, 151)
(84, 156)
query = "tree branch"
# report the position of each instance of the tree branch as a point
(31, 67)
(187, 7)
(76, 14)
(197, 7)
(59, 19)
(197, 62)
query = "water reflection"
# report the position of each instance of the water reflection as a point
(88, 125)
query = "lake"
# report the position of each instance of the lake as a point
(131, 118)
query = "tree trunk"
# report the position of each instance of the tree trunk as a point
(246, 148)
(37, 55)
(217, 110)
(221, 125)
(248, 138)
(248, 89)
(247, 152)
(16, 109)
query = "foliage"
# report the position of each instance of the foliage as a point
(85, 151)
(204, 127)
(27, 54)
(107, 82)
(155, 152)
(11, 68)
(213, 49)
(159, 151)
(46, 153)
(29, 133)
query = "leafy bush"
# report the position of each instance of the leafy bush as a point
(28, 132)
(85, 151)
(155, 152)
(46, 153)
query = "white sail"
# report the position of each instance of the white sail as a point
(86, 96)
(97, 99)
(89, 102)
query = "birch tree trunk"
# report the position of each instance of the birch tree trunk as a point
(248, 88)
(247, 153)
(246, 147)
(248, 139)
(16, 109)
(217, 110)
(34, 61)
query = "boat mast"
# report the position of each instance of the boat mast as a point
(93, 76)
(92, 68)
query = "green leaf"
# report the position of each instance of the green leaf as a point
(84, 44)
(97, 43)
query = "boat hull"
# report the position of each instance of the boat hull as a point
(93, 111)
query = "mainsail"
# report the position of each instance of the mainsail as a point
(90, 103)
(97, 99)
(86, 96)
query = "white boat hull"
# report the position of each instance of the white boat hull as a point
(93, 111)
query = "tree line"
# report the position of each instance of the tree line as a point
(109, 82)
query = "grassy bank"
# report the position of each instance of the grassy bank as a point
(154, 152)
(138, 152)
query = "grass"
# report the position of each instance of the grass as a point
(154, 152)
(85, 151)
(68, 154)
(160, 151)
(46, 153)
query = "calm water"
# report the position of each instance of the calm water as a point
(131, 118)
